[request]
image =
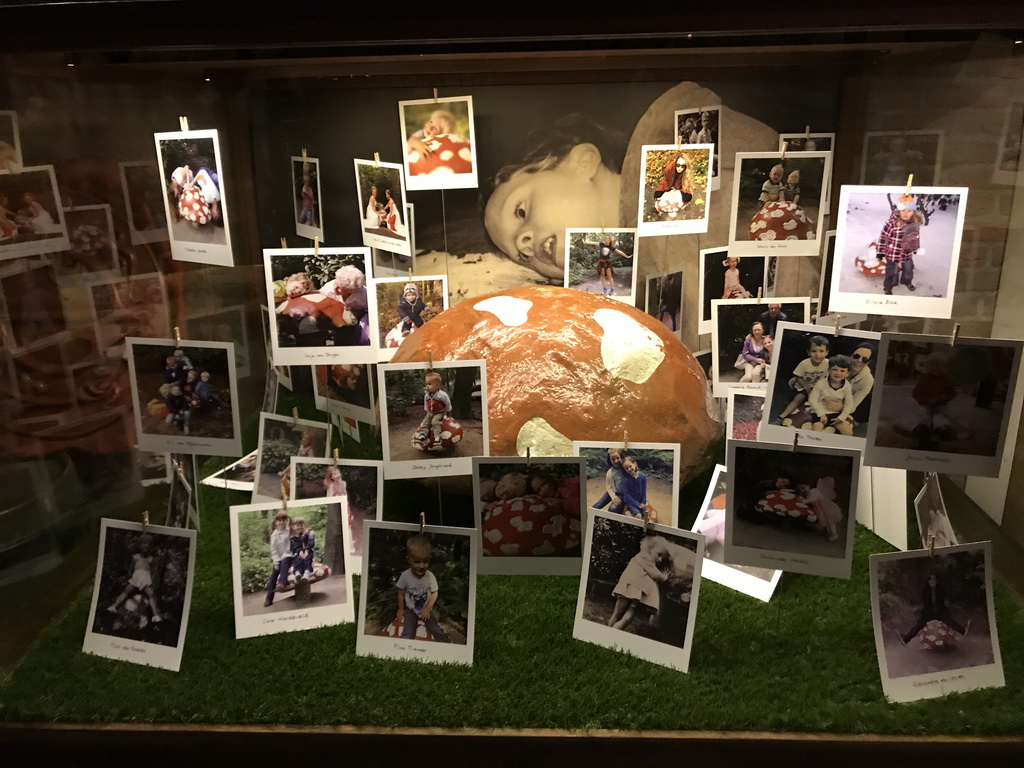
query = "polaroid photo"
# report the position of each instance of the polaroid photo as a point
(665, 300)
(440, 145)
(528, 513)
(431, 572)
(404, 304)
(142, 594)
(360, 481)
(756, 582)
(270, 387)
(824, 314)
(890, 157)
(31, 215)
(743, 334)
(674, 188)
(935, 621)
(388, 264)
(321, 309)
(602, 261)
(811, 142)
(728, 278)
(154, 468)
(227, 324)
(381, 191)
(702, 125)
(31, 308)
(195, 203)
(433, 419)
(943, 407)
(144, 202)
(791, 508)
(932, 518)
(237, 476)
(346, 390)
(282, 437)
(283, 373)
(1008, 164)
(778, 203)
(11, 160)
(744, 411)
(136, 306)
(639, 588)
(306, 197)
(296, 576)
(821, 385)
(182, 502)
(898, 254)
(93, 256)
(632, 479)
(185, 396)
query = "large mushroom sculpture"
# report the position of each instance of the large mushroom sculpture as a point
(564, 365)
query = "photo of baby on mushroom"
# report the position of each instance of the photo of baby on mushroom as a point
(320, 307)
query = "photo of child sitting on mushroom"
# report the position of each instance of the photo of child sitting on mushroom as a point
(320, 301)
(284, 554)
(779, 198)
(529, 509)
(184, 390)
(193, 189)
(639, 583)
(633, 481)
(794, 502)
(438, 145)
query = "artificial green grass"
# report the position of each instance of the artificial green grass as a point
(804, 662)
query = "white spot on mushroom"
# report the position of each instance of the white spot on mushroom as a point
(628, 349)
(791, 224)
(446, 155)
(414, 157)
(441, 170)
(493, 535)
(509, 549)
(542, 439)
(521, 525)
(546, 548)
(465, 154)
(508, 309)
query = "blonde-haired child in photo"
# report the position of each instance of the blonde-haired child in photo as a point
(638, 585)
(280, 555)
(437, 405)
(733, 288)
(417, 591)
(440, 123)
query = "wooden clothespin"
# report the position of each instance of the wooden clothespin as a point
(179, 470)
(316, 246)
(807, 132)
(295, 416)
(679, 140)
(423, 521)
(785, 146)
(145, 520)
(931, 545)
(527, 455)
(376, 159)
(410, 274)
(284, 242)
(435, 95)
(759, 294)
(335, 457)
(796, 438)
(956, 334)
(647, 519)
(284, 500)
(183, 123)
(177, 337)
(625, 440)
(910, 181)
(430, 361)
(835, 329)
(304, 155)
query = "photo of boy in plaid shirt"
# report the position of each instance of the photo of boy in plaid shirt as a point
(899, 242)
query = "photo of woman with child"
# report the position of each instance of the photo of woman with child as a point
(31, 217)
(417, 588)
(639, 589)
(797, 506)
(528, 510)
(319, 300)
(381, 189)
(637, 481)
(743, 339)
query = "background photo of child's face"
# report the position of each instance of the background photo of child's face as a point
(388, 554)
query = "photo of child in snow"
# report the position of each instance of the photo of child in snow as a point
(893, 243)
(142, 586)
(946, 399)
(638, 582)
(793, 502)
(183, 390)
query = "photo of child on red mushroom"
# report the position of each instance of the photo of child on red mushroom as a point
(320, 308)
